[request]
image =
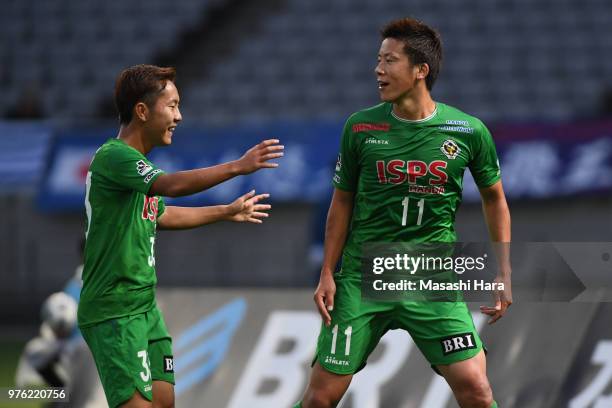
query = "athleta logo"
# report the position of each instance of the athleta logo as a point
(150, 208)
(332, 360)
(458, 342)
(364, 127)
(400, 171)
(142, 167)
(373, 140)
(168, 364)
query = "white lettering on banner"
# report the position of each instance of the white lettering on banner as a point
(588, 168)
(602, 356)
(287, 368)
(530, 169)
(292, 176)
(366, 386)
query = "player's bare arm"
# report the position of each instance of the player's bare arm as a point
(336, 229)
(246, 208)
(188, 182)
(497, 216)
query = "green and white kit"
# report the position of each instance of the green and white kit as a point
(117, 312)
(407, 180)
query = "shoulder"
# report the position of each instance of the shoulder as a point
(116, 151)
(101, 156)
(452, 116)
(372, 118)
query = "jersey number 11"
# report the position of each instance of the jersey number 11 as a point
(420, 204)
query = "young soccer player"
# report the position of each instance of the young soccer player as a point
(117, 314)
(399, 179)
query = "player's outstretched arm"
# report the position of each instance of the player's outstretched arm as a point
(336, 229)
(246, 208)
(497, 216)
(189, 182)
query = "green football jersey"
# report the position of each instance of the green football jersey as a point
(119, 271)
(407, 176)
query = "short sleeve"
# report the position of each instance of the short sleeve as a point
(130, 169)
(346, 172)
(484, 165)
(161, 207)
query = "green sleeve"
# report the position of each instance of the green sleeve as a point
(484, 164)
(130, 170)
(347, 168)
(161, 207)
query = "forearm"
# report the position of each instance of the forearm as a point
(497, 216)
(189, 182)
(192, 217)
(336, 231)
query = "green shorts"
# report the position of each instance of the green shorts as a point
(130, 352)
(443, 331)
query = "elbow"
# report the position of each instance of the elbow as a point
(173, 191)
(167, 190)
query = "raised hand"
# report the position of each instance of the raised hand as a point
(246, 208)
(259, 156)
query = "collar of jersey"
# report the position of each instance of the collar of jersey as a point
(433, 114)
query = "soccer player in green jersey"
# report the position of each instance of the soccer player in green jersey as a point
(117, 314)
(399, 178)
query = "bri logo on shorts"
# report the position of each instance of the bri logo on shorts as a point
(458, 342)
(168, 364)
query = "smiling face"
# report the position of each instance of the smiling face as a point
(396, 75)
(163, 116)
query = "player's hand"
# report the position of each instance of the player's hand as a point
(259, 156)
(502, 298)
(324, 297)
(246, 208)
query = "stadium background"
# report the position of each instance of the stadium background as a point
(538, 72)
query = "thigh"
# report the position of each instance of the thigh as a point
(466, 374)
(160, 347)
(356, 328)
(443, 331)
(120, 351)
(325, 388)
(163, 394)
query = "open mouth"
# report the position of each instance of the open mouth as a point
(171, 129)
(382, 84)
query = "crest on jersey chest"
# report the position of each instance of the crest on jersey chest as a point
(450, 148)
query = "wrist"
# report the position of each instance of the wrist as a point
(326, 272)
(235, 168)
(226, 213)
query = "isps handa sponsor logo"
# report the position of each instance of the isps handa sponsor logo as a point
(411, 172)
(332, 360)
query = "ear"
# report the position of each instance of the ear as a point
(423, 71)
(141, 111)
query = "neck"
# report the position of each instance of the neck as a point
(134, 136)
(414, 106)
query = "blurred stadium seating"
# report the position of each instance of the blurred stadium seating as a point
(510, 60)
